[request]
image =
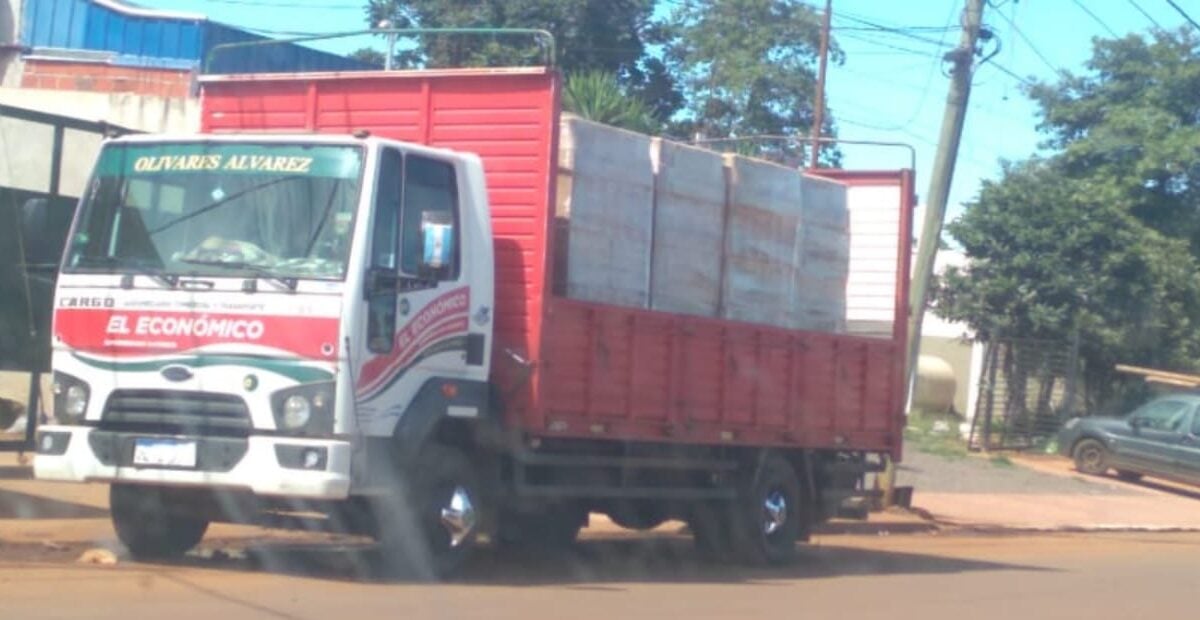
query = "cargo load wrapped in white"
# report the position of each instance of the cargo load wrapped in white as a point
(824, 261)
(605, 203)
(652, 223)
(762, 242)
(689, 220)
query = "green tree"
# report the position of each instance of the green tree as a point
(1102, 234)
(372, 57)
(747, 67)
(1131, 125)
(596, 96)
(591, 35)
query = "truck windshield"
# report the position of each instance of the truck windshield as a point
(219, 209)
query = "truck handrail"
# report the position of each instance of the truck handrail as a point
(912, 152)
(543, 37)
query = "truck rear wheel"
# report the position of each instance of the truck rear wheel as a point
(429, 526)
(146, 525)
(768, 516)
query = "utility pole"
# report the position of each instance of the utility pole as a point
(962, 58)
(819, 104)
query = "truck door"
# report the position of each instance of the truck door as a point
(418, 324)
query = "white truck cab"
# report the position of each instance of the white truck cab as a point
(248, 312)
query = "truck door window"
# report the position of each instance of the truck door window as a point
(381, 304)
(430, 222)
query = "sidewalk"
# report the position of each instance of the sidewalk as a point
(1052, 496)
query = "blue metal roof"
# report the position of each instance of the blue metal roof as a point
(133, 36)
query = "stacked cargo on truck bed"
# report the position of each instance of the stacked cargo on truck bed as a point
(650, 223)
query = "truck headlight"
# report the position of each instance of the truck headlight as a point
(1070, 424)
(305, 409)
(297, 412)
(70, 398)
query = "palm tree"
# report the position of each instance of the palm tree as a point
(596, 96)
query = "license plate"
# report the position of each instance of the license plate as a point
(164, 453)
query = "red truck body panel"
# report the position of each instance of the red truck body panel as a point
(599, 371)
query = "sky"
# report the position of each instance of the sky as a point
(891, 86)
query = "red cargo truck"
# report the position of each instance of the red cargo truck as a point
(340, 297)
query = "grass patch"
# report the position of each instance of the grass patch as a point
(999, 460)
(935, 434)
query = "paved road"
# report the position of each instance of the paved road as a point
(918, 575)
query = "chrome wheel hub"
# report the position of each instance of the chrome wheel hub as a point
(458, 516)
(775, 512)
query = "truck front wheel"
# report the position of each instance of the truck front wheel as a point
(430, 525)
(147, 525)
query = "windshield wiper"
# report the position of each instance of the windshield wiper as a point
(163, 279)
(290, 283)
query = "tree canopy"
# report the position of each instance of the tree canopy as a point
(1101, 234)
(727, 68)
(747, 67)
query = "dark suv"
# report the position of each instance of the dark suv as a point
(1161, 438)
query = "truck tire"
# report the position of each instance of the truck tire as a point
(638, 515)
(552, 529)
(145, 524)
(768, 515)
(712, 530)
(429, 526)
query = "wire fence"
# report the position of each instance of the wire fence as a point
(1027, 389)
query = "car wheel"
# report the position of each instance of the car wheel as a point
(1128, 476)
(1091, 457)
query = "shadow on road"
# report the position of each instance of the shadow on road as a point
(17, 505)
(16, 472)
(590, 564)
(1164, 486)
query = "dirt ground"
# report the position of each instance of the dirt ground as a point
(898, 564)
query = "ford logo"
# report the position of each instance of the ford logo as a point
(177, 373)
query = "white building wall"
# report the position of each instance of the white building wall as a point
(10, 30)
(26, 146)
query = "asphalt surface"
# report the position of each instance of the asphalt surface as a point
(911, 576)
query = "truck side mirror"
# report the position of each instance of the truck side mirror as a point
(380, 281)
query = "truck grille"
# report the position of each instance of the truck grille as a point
(176, 412)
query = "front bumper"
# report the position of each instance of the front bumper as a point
(86, 454)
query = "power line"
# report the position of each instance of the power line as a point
(1145, 14)
(1184, 14)
(932, 29)
(1098, 20)
(1033, 48)
(933, 65)
(1012, 74)
(901, 31)
(892, 46)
